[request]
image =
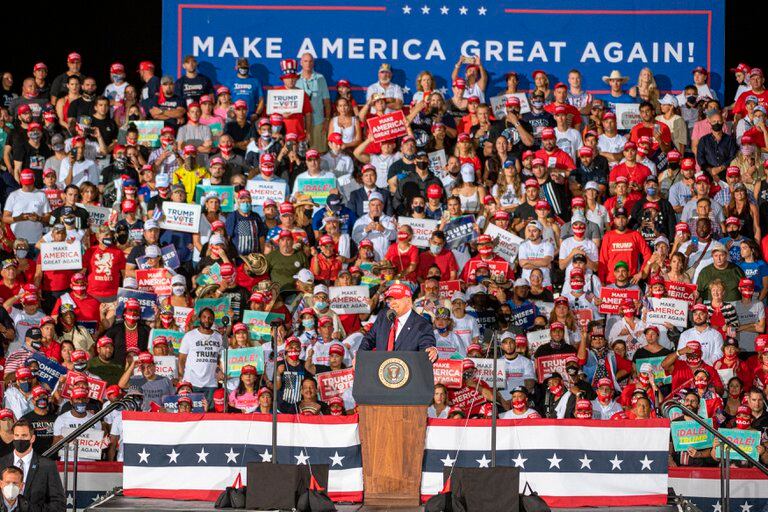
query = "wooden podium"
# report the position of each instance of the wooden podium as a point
(392, 390)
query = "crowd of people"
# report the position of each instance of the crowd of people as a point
(557, 233)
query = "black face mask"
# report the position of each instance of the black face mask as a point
(734, 234)
(418, 209)
(422, 165)
(691, 99)
(21, 445)
(717, 127)
(134, 117)
(108, 241)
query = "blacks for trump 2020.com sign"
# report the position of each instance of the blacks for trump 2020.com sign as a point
(350, 39)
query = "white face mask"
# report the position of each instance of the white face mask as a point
(11, 492)
(178, 290)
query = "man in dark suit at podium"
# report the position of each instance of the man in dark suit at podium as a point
(400, 328)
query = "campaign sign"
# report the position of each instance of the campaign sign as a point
(285, 101)
(318, 189)
(437, 160)
(584, 316)
(484, 371)
(682, 291)
(747, 440)
(89, 444)
(149, 132)
(146, 299)
(448, 372)
(689, 434)
(165, 366)
(174, 338)
(181, 217)
(496, 268)
(653, 365)
(239, 357)
(97, 215)
(171, 402)
(666, 310)
(388, 126)
(612, 299)
(157, 280)
(96, 386)
(262, 190)
(349, 300)
(220, 306)
(547, 365)
(422, 229)
(460, 231)
(499, 104)
(627, 115)
(180, 315)
(49, 371)
(226, 195)
(537, 339)
(170, 257)
(61, 256)
(352, 40)
(507, 244)
(334, 383)
(448, 288)
(258, 323)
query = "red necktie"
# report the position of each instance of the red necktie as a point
(392, 335)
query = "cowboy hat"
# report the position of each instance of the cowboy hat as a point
(616, 75)
(257, 263)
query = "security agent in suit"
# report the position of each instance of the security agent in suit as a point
(11, 483)
(358, 199)
(401, 328)
(42, 484)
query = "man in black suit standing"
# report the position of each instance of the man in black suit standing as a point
(358, 199)
(400, 328)
(42, 484)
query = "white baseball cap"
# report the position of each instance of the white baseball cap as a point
(320, 288)
(305, 276)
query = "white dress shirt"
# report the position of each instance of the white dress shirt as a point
(26, 461)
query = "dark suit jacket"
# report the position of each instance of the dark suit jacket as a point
(117, 333)
(360, 196)
(42, 486)
(416, 335)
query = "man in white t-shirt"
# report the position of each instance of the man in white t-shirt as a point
(199, 355)
(465, 326)
(568, 139)
(74, 417)
(610, 143)
(392, 92)
(578, 244)
(76, 167)
(27, 209)
(28, 316)
(535, 252)
(710, 339)
(519, 369)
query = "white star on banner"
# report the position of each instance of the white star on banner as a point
(481, 11)
(554, 462)
(406, 9)
(425, 10)
(585, 462)
(69, 499)
(96, 498)
(231, 455)
(463, 10)
(746, 507)
(616, 463)
(172, 456)
(406, 89)
(717, 507)
(646, 462)
(443, 90)
(483, 462)
(448, 461)
(301, 458)
(143, 456)
(266, 456)
(444, 10)
(519, 461)
(202, 455)
(336, 459)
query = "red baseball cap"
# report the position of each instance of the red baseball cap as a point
(146, 65)
(248, 369)
(586, 151)
(434, 191)
(673, 156)
(116, 68)
(22, 372)
(78, 393)
(398, 291)
(146, 358)
(547, 133)
(74, 56)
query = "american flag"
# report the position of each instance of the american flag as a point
(196, 456)
(749, 488)
(95, 480)
(569, 463)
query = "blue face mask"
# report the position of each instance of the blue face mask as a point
(80, 408)
(480, 279)
(321, 304)
(25, 386)
(244, 207)
(441, 330)
(435, 249)
(651, 191)
(308, 324)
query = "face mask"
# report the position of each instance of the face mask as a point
(117, 78)
(555, 344)
(480, 279)
(166, 320)
(25, 386)
(81, 366)
(266, 136)
(435, 249)
(178, 290)
(308, 324)
(691, 99)
(537, 104)
(717, 127)
(108, 241)
(572, 370)
(441, 330)
(700, 384)
(21, 253)
(35, 136)
(651, 191)
(244, 207)
(604, 397)
(519, 405)
(78, 288)
(293, 353)
(321, 304)
(242, 71)
(42, 403)
(741, 424)
(577, 285)
(131, 317)
(693, 362)
(37, 345)
(133, 117)
(556, 389)
(422, 165)
(579, 230)
(21, 445)
(418, 209)
(657, 295)
(120, 162)
(80, 408)
(267, 172)
(11, 491)
(409, 156)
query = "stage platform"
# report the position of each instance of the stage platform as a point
(123, 504)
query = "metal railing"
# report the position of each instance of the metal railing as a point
(129, 403)
(725, 459)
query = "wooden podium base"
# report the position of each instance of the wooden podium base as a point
(392, 439)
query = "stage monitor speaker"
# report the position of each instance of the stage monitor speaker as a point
(485, 489)
(278, 486)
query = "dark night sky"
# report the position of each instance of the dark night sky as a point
(130, 32)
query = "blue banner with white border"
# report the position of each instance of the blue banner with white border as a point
(351, 39)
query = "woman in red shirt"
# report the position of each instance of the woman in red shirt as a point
(51, 347)
(327, 263)
(105, 264)
(403, 255)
